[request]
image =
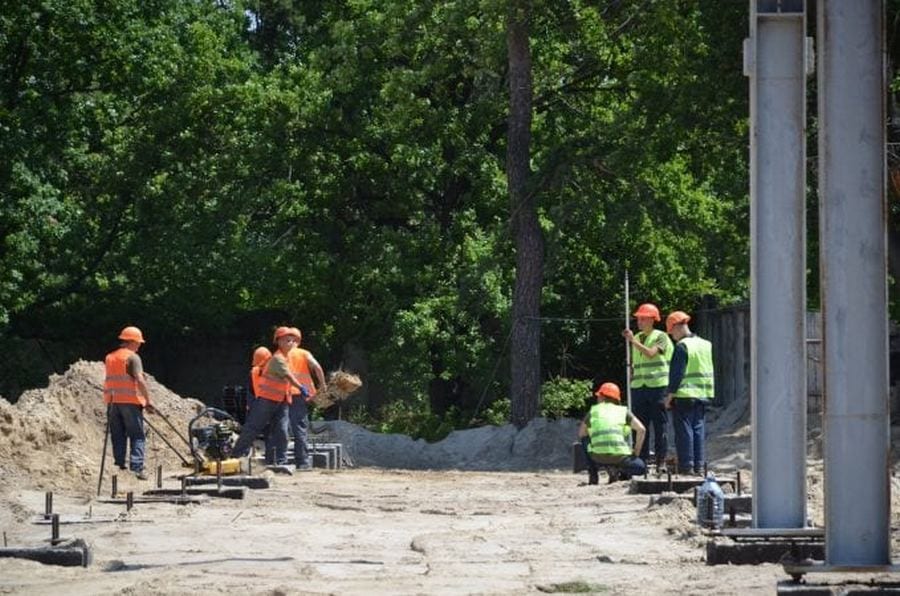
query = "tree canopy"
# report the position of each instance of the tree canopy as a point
(343, 162)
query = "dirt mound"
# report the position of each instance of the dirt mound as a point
(52, 438)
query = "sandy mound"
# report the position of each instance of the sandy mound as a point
(52, 438)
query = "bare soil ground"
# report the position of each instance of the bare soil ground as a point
(353, 531)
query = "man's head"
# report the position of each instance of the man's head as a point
(261, 355)
(299, 335)
(131, 337)
(646, 314)
(608, 391)
(286, 338)
(676, 324)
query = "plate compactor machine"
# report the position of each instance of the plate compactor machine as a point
(212, 440)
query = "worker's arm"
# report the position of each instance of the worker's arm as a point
(316, 369)
(676, 372)
(279, 368)
(582, 430)
(135, 368)
(647, 351)
(639, 433)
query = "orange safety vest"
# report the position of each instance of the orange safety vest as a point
(299, 365)
(255, 376)
(120, 387)
(271, 387)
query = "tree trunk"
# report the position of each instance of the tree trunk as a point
(525, 339)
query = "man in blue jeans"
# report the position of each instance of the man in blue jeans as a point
(690, 388)
(651, 350)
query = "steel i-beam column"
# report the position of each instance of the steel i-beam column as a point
(775, 59)
(854, 281)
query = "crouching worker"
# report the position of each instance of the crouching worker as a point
(605, 434)
(273, 395)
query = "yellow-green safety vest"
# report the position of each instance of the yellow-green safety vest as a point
(697, 382)
(609, 429)
(653, 372)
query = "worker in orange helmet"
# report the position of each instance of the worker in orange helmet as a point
(605, 435)
(126, 395)
(690, 388)
(304, 365)
(273, 395)
(651, 350)
(261, 356)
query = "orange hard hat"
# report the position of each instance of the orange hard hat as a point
(296, 332)
(676, 318)
(610, 390)
(647, 310)
(282, 331)
(131, 333)
(261, 355)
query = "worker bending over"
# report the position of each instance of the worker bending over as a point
(605, 435)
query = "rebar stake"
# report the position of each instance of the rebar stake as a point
(48, 504)
(705, 469)
(115, 486)
(738, 481)
(129, 500)
(669, 479)
(54, 529)
(183, 486)
(158, 476)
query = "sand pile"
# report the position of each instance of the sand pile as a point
(52, 438)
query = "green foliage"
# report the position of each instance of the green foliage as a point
(562, 397)
(341, 163)
(497, 413)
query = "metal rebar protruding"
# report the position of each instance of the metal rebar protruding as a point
(129, 500)
(737, 477)
(250, 461)
(159, 476)
(4, 540)
(705, 469)
(184, 486)
(669, 480)
(54, 529)
(115, 486)
(48, 504)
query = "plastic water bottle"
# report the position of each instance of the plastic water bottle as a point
(710, 503)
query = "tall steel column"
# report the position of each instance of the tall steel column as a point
(776, 62)
(854, 285)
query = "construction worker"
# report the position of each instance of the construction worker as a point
(690, 389)
(126, 396)
(303, 365)
(261, 356)
(605, 434)
(273, 395)
(651, 350)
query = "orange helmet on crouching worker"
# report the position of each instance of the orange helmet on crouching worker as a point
(299, 335)
(261, 355)
(647, 310)
(610, 390)
(131, 333)
(676, 318)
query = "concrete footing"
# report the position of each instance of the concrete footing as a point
(74, 553)
(238, 492)
(751, 546)
(254, 482)
(678, 484)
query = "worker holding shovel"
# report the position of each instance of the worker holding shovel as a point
(126, 395)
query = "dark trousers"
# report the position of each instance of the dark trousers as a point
(648, 404)
(690, 433)
(629, 466)
(264, 412)
(126, 425)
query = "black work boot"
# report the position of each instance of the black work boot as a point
(612, 474)
(593, 476)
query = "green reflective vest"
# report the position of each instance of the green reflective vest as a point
(609, 429)
(651, 372)
(697, 382)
